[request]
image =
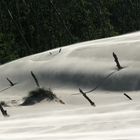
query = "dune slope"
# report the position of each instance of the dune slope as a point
(86, 65)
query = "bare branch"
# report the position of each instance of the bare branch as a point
(4, 112)
(117, 61)
(11, 83)
(60, 50)
(127, 96)
(90, 101)
(35, 79)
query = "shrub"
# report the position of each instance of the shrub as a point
(40, 94)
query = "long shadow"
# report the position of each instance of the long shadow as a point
(12, 84)
(99, 84)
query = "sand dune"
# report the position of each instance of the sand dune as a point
(83, 65)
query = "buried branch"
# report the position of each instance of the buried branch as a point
(87, 98)
(117, 61)
(127, 96)
(40, 94)
(35, 79)
(60, 50)
(4, 112)
(99, 84)
(11, 83)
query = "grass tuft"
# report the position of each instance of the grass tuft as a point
(39, 94)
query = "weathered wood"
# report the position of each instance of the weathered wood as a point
(127, 96)
(35, 79)
(4, 112)
(86, 97)
(60, 101)
(117, 61)
(11, 83)
(60, 50)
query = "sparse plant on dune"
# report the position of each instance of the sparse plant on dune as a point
(39, 94)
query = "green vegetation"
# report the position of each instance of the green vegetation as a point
(32, 26)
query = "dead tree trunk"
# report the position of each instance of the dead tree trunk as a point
(127, 96)
(4, 112)
(117, 61)
(91, 102)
